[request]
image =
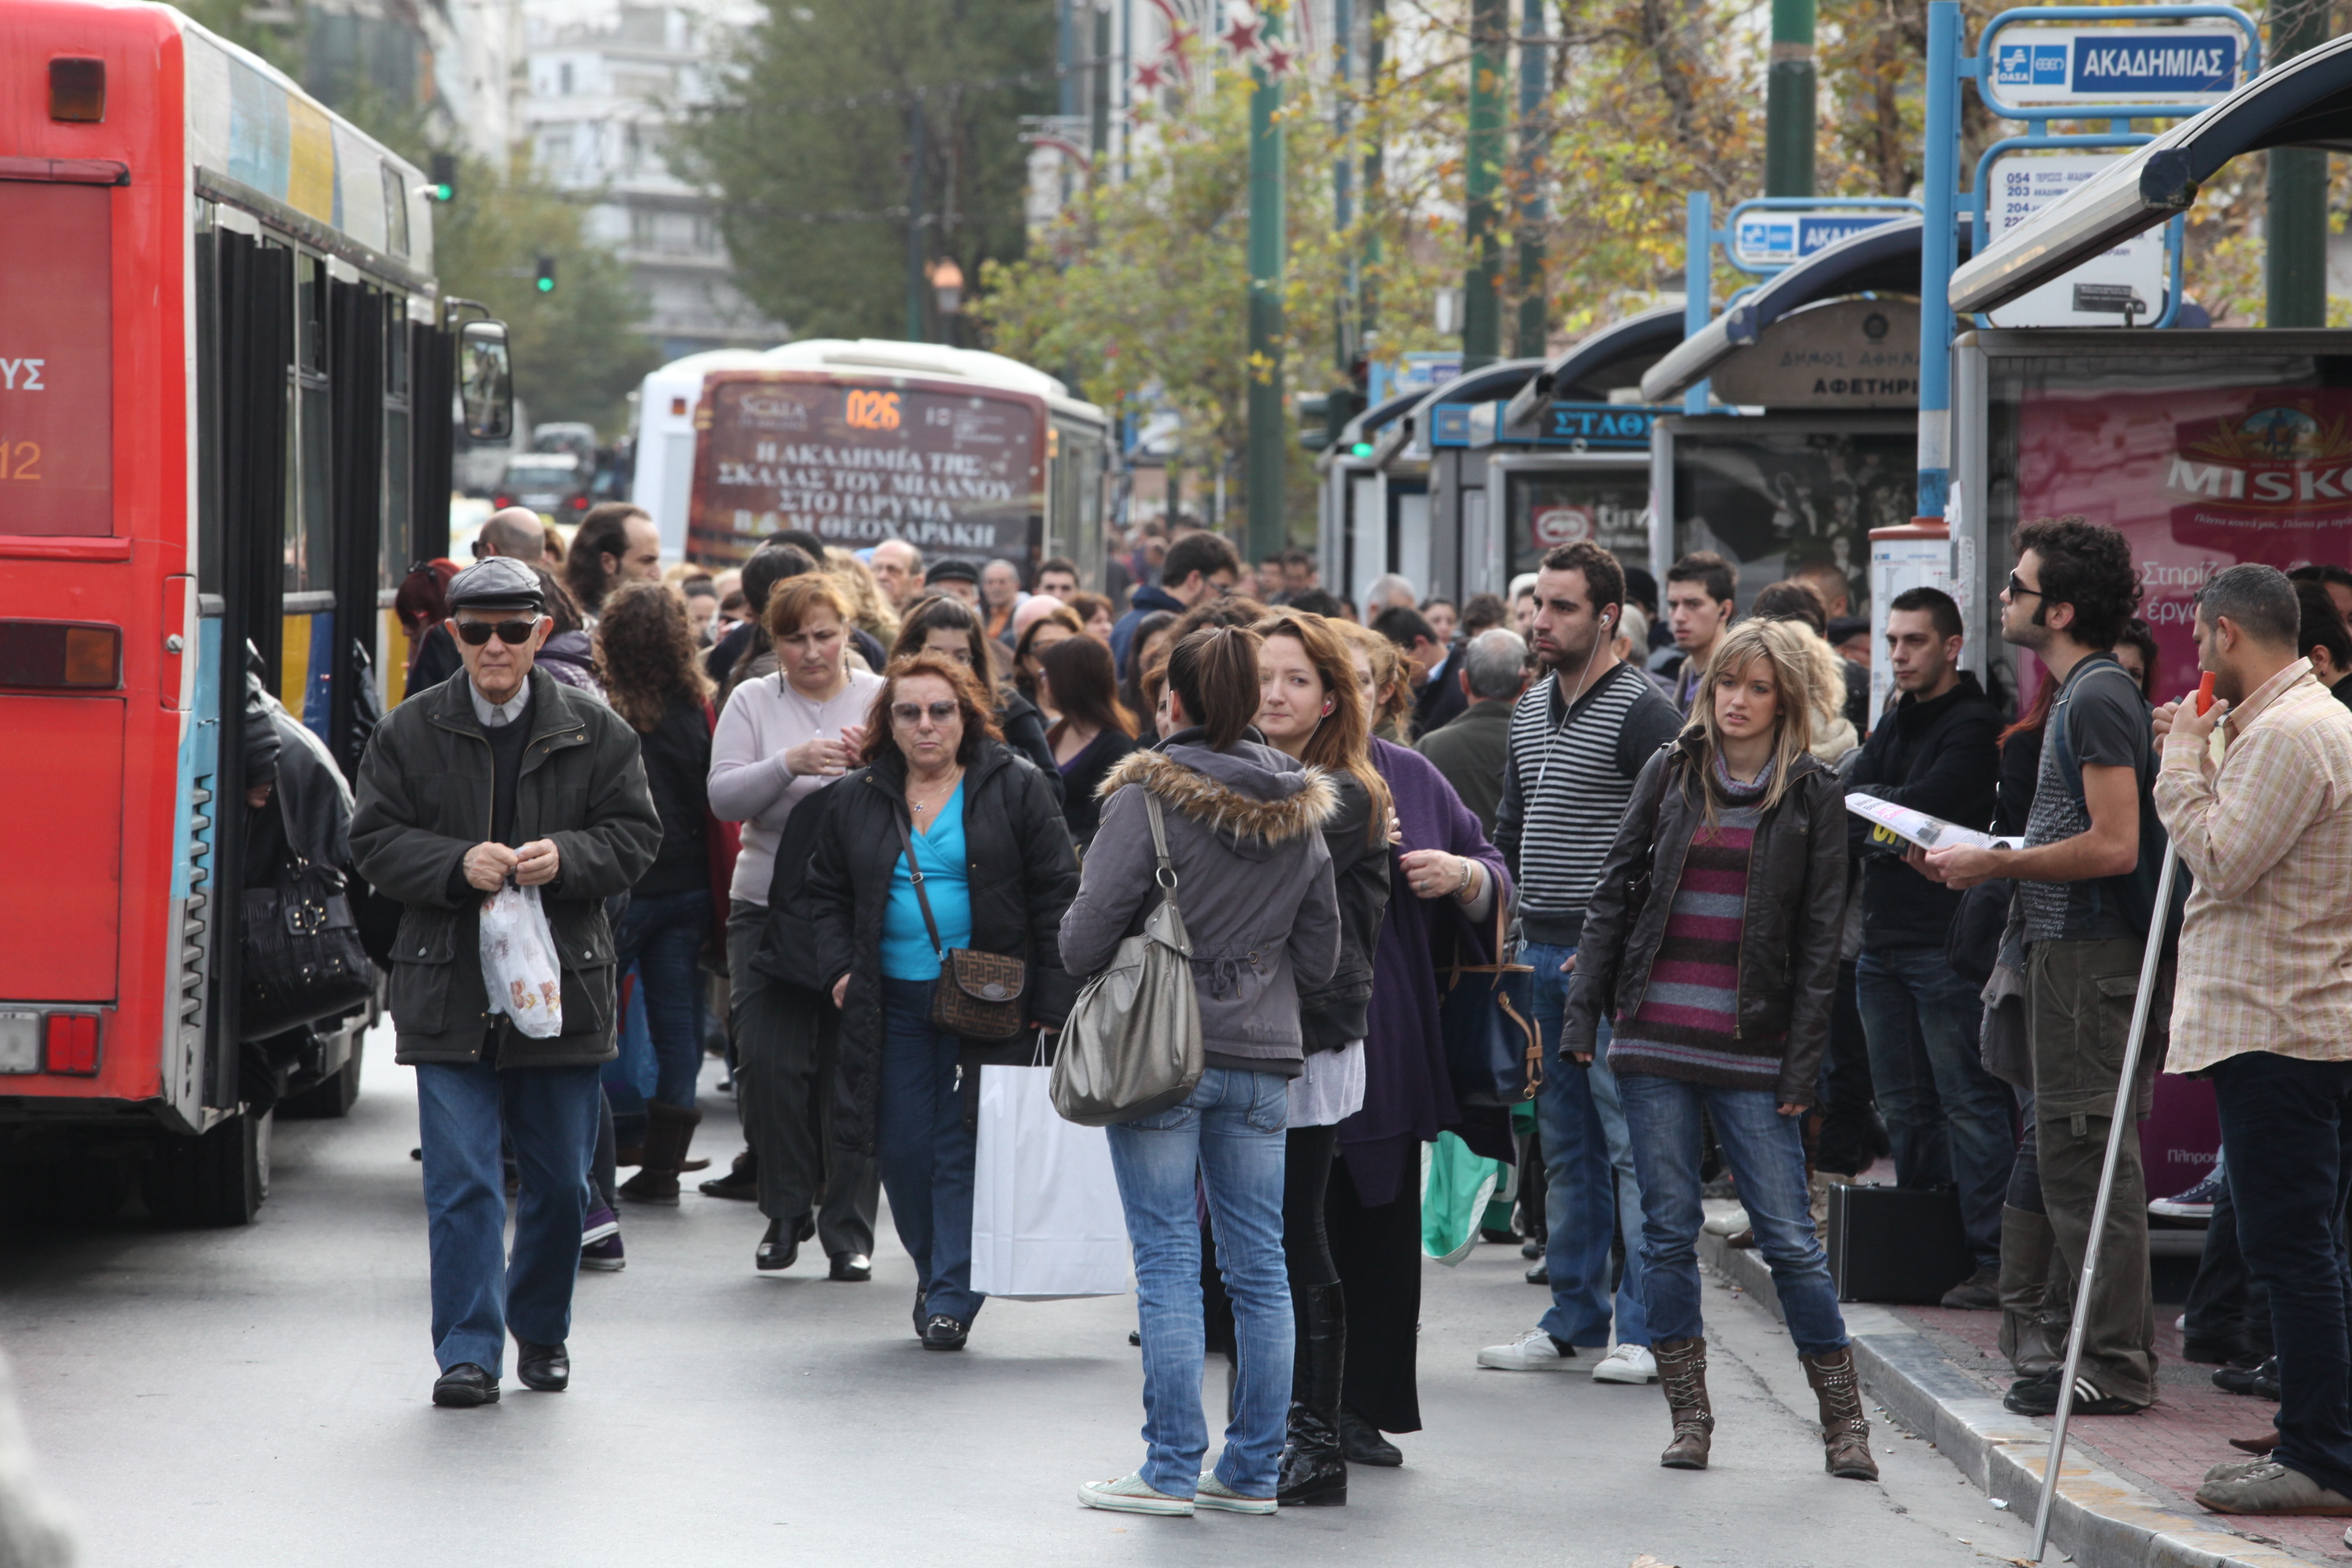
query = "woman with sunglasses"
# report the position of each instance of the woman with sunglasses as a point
(951, 628)
(783, 737)
(941, 843)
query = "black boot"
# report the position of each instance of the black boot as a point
(1314, 1470)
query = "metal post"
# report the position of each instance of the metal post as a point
(1343, 173)
(1269, 444)
(2294, 230)
(1482, 305)
(1788, 106)
(917, 285)
(1375, 60)
(1938, 254)
(1535, 314)
(1098, 93)
(2120, 1126)
(1698, 291)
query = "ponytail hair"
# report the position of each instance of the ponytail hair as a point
(1213, 672)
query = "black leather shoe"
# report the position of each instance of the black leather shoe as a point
(779, 1251)
(741, 1180)
(852, 1268)
(1539, 1272)
(941, 1333)
(547, 1368)
(464, 1386)
(1362, 1443)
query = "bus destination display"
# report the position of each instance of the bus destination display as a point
(56, 367)
(955, 473)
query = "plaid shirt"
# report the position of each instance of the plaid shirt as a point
(2268, 835)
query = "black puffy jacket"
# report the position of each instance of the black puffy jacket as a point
(1023, 875)
(1332, 1015)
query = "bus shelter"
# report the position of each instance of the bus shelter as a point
(1568, 455)
(1810, 438)
(1357, 526)
(2204, 448)
(1447, 551)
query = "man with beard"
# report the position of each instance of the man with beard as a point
(1579, 738)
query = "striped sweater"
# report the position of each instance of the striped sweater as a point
(1686, 1025)
(1567, 781)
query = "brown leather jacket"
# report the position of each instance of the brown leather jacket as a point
(1790, 935)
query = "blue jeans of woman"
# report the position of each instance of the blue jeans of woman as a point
(1231, 1131)
(926, 1149)
(1766, 1153)
(662, 935)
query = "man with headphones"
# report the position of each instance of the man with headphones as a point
(1579, 738)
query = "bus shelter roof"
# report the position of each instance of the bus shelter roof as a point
(1648, 334)
(2305, 102)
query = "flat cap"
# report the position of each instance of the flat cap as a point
(952, 572)
(495, 583)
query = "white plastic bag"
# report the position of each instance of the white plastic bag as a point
(1046, 1221)
(519, 967)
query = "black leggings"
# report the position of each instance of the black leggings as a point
(1305, 1176)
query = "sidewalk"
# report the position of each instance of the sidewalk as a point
(2124, 1497)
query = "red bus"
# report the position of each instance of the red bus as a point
(225, 377)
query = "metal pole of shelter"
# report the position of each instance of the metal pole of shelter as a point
(1790, 112)
(1269, 441)
(1535, 316)
(1938, 254)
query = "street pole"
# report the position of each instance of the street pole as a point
(1343, 203)
(916, 282)
(1938, 254)
(1789, 108)
(1269, 439)
(2295, 231)
(1535, 316)
(1482, 292)
(1368, 301)
(1099, 94)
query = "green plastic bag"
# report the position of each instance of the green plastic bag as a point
(1454, 1186)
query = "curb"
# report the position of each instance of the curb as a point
(2100, 1519)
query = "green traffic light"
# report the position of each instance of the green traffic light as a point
(547, 285)
(443, 194)
(1361, 449)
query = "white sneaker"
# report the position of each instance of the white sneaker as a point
(1132, 1494)
(1626, 1364)
(1535, 1351)
(1215, 1494)
(1731, 1222)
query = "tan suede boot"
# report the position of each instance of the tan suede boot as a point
(1845, 1431)
(1682, 1372)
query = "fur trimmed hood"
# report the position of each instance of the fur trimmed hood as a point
(1235, 794)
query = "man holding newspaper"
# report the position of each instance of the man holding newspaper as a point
(2086, 873)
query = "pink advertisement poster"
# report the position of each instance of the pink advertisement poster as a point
(2197, 479)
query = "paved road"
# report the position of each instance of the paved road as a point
(258, 1397)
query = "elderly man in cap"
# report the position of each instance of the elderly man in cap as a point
(500, 776)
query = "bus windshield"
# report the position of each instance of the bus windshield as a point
(953, 472)
(57, 368)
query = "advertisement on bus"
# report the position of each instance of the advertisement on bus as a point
(2196, 478)
(955, 471)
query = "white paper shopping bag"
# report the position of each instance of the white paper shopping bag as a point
(1047, 1223)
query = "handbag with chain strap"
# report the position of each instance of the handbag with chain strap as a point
(979, 994)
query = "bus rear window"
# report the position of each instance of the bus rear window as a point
(57, 368)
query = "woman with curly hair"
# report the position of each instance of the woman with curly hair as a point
(868, 610)
(647, 659)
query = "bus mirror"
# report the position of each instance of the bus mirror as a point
(485, 381)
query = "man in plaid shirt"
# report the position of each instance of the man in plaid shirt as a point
(2263, 1002)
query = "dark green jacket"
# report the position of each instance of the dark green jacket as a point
(424, 800)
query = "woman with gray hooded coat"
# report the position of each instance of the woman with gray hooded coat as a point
(1245, 831)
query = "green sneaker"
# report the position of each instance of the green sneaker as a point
(1132, 1494)
(1215, 1494)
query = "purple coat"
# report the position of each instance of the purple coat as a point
(1408, 1093)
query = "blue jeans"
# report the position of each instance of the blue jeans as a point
(1590, 1190)
(1948, 1119)
(2287, 1124)
(663, 936)
(1766, 1153)
(926, 1149)
(549, 1115)
(1231, 1130)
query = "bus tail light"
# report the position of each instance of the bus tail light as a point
(73, 1043)
(77, 89)
(60, 655)
(579, 503)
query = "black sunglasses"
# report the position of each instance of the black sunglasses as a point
(513, 633)
(911, 713)
(2017, 590)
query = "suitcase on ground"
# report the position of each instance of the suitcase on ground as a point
(1896, 1245)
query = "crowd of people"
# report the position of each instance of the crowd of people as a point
(798, 812)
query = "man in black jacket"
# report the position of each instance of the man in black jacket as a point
(1936, 751)
(501, 776)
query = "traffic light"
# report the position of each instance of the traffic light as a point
(444, 177)
(545, 279)
(1322, 416)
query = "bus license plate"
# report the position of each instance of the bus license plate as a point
(20, 1042)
